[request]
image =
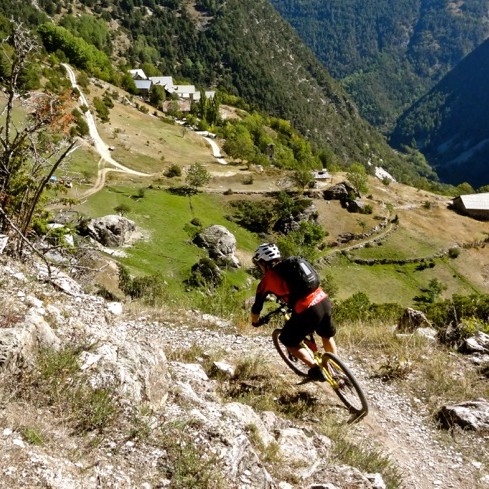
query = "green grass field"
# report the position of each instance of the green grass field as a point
(397, 283)
(166, 249)
(146, 143)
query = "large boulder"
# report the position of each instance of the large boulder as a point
(354, 206)
(110, 231)
(220, 244)
(19, 344)
(469, 415)
(137, 371)
(342, 191)
(412, 320)
(478, 343)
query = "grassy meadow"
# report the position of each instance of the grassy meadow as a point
(144, 142)
(164, 218)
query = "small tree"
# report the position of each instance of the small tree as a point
(122, 209)
(197, 176)
(173, 171)
(357, 176)
(434, 289)
(302, 178)
(157, 96)
(31, 149)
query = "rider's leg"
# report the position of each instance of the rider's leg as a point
(329, 344)
(302, 354)
(292, 334)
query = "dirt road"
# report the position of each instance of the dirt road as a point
(99, 145)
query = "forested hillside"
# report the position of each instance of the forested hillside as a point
(388, 53)
(209, 43)
(449, 124)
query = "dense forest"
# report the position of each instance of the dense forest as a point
(449, 124)
(388, 53)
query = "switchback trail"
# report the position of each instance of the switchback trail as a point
(100, 146)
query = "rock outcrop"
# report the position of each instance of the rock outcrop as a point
(220, 244)
(110, 231)
(469, 415)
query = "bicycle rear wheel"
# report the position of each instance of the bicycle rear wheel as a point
(345, 385)
(300, 368)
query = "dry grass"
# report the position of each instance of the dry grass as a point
(421, 368)
(144, 142)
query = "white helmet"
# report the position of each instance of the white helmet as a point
(266, 252)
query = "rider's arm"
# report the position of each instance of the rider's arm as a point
(271, 283)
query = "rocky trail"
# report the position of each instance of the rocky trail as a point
(410, 438)
(125, 351)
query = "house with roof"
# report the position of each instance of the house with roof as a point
(138, 74)
(183, 92)
(143, 86)
(473, 205)
(323, 175)
(164, 81)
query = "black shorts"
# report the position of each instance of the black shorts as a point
(316, 318)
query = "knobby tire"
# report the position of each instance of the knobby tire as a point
(347, 388)
(294, 364)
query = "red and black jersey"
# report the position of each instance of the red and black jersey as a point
(272, 283)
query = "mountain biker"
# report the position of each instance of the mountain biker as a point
(309, 313)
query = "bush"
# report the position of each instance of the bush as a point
(149, 288)
(173, 171)
(359, 308)
(205, 273)
(454, 252)
(248, 180)
(458, 308)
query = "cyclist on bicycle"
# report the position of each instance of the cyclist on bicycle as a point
(309, 313)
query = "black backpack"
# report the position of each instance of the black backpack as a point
(300, 275)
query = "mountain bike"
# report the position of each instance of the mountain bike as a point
(336, 373)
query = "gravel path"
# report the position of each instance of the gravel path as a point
(100, 147)
(426, 457)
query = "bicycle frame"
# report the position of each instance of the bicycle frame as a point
(310, 345)
(336, 373)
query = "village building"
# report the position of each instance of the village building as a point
(185, 93)
(138, 74)
(143, 86)
(322, 175)
(473, 205)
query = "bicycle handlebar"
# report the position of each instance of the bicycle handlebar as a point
(280, 310)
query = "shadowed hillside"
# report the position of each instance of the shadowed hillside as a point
(449, 124)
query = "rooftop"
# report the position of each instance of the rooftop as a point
(476, 201)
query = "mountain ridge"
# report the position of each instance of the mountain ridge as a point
(386, 53)
(267, 66)
(449, 124)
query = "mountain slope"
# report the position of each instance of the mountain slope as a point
(387, 53)
(449, 124)
(211, 43)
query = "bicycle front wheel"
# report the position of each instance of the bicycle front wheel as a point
(345, 385)
(300, 368)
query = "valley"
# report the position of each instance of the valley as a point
(131, 362)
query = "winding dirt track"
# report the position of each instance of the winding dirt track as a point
(100, 146)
